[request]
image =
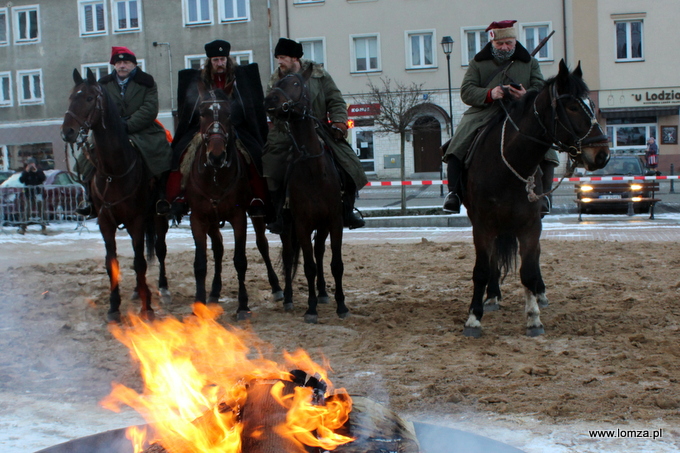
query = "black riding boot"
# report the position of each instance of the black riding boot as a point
(162, 205)
(349, 195)
(85, 208)
(454, 170)
(548, 170)
(278, 197)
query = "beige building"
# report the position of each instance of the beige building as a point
(622, 47)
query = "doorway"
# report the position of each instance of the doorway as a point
(426, 143)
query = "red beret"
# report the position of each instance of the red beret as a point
(122, 54)
(501, 24)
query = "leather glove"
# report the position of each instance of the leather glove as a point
(339, 130)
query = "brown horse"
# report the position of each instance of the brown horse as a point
(218, 191)
(120, 188)
(500, 198)
(313, 197)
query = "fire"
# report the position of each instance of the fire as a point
(196, 377)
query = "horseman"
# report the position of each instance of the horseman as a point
(502, 70)
(330, 110)
(242, 84)
(136, 95)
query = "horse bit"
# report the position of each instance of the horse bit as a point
(216, 130)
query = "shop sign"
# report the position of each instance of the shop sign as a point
(363, 110)
(639, 97)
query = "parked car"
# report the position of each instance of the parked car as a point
(617, 195)
(56, 199)
(4, 175)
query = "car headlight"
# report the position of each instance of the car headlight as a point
(635, 187)
(586, 200)
(636, 199)
(586, 188)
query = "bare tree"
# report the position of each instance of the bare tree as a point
(400, 104)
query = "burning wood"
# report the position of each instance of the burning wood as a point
(205, 393)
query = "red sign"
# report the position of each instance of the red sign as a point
(363, 110)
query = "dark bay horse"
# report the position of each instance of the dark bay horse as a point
(313, 198)
(217, 191)
(120, 188)
(500, 198)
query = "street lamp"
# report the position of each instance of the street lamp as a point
(447, 47)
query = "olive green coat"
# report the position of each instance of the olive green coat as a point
(139, 108)
(524, 70)
(327, 101)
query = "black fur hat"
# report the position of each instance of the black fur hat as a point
(217, 48)
(289, 48)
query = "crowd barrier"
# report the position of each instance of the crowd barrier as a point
(41, 205)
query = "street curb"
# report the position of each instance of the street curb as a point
(419, 221)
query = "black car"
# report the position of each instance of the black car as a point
(617, 195)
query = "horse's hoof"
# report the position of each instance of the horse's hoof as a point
(243, 315)
(323, 300)
(214, 299)
(147, 315)
(343, 315)
(311, 319)
(288, 306)
(113, 317)
(494, 306)
(135, 295)
(474, 332)
(542, 301)
(535, 331)
(277, 295)
(164, 292)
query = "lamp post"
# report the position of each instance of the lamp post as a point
(447, 47)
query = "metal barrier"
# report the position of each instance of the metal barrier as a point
(40, 205)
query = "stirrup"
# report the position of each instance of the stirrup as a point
(452, 203)
(162, 207)
(276, 227)
(84, 209)
(353, 221)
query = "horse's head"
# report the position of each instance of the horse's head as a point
(571, 121)
(215, 124)
(289, 98)
(85, 108)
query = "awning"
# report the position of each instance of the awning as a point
(630, 112)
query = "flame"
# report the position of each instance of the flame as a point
(196, 375)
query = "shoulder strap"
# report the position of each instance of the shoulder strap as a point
(495, 73)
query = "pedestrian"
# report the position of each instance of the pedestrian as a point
(330, 109)
(652, 155)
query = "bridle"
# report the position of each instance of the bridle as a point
(216, 131)
(86, 125)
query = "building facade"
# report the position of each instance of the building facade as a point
(360, 42)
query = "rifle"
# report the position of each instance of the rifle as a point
(542, 43)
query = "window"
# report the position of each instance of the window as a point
(4, 32)
(302, 2)
(30, 87)
(420, 50)
(92, 18)
(313, 49)
(630, 134)
(6, 89)
(26, 20)
(198, 12)
(126, 15)
(473, 40)
(366, 56)
(242, 57)
(194, 61)
(98, 69)
(532, 35)
(629, 41)
(234, 10)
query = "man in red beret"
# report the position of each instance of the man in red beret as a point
(327, 102)
(502, 70)
(136, 96)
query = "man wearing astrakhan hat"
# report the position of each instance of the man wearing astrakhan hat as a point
(502, 71)
(327, 102)
(136, 96)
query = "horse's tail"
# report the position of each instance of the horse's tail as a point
(150, 237)
(295, 251)
(506, 253)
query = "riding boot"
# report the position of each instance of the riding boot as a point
(278, 197)
(85, 208)
(258, 186)
(454, 171)
(548, 173)
(349, 196)
(162, 205)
